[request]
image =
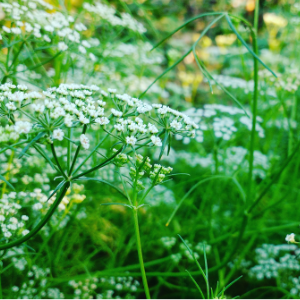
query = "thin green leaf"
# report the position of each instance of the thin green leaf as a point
(105, 182)
(186, 54)
(116, 203)
(193, 188)
(195, 260)
(245, 44)
(32, 142)
(196, 284)
(41, 151)
(60, 185)
(164, 144)
(177, 174)
(183, 25)
(30, 248)
(206, 270)
(225, 90)
(3, 179)
(229, 285)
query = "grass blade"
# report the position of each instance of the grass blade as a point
(245, 44)
(229, 285)
(116, 203)
(61, 184)
(4, 179)
(105, 182)
(196, 284)
(183, 25)
(32, 142)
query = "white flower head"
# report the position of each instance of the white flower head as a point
(23, 127)
(131, 140)
(58, 134)
(290, 238)
(116, 113)
(176, 125)
(62, 46)
(102, 121)
(156, 141)
(85, 142)
(10, 106)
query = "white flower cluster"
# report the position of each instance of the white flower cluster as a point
(11, 222)
(274, 261)
(31, 18)
(8, 134)
(168, 242)
(212, 117)
(72, 105)
(108, 13)
(36, 287)
(108, 287)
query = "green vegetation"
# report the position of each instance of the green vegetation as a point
(149, 149)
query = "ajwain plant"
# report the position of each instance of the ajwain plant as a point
(65, 116)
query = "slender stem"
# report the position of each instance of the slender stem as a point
(69, 148)
(57, 161)
(291, 128)
(256, 16)
(99, 166)
(1, 267)
(41, 224)
(254, 105)
(140, 254)
(77, 152)
(92, 152)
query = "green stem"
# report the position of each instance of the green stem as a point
(77, 152)
(41, 224)
(256, 16)
(1, 267)
(291, 129)
(92, 152)
(140, 254)
(254, 105)
(57, 162)
(69, 148)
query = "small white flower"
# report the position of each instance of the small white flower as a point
(58, 134)
(25, 232)
(102, 120)
(152, 128)
(83, 119)
(290, 238)
(10, 106)
(92, 57)
(6, 29)
(85, 143)
(62, 46)
(22, 127)
(163, 110)
(38, 107)
(25, 218)
(46, 38)
(131, 140)
(119, 127)
(116, 113)
(7, 234)
(176, 125)
(86, 44)
(156, 141)
(82, 49)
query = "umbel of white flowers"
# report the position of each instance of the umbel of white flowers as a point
(73, 106)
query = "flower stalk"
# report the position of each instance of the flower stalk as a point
(140, 254)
